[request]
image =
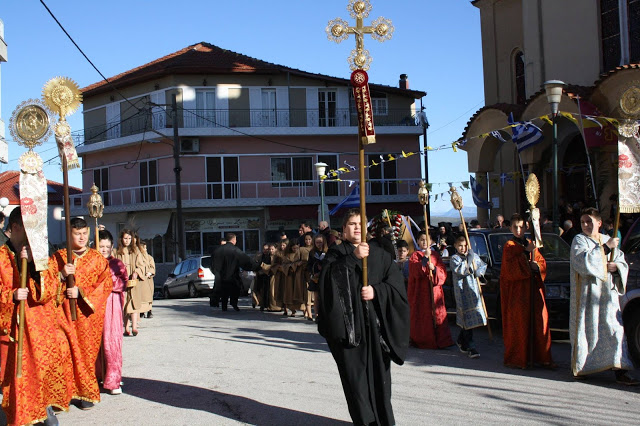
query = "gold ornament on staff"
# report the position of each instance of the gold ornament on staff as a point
(29, 126)
(63, 96)
(96, 208)
(456, 201)
(532, 192)
(423, 198)
(338, 30)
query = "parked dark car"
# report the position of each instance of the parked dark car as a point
(488, 245)
(190, 278)
(630, 302)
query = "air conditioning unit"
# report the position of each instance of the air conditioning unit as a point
(190, 145)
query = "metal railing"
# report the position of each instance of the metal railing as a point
(245, 192)
(207, 118)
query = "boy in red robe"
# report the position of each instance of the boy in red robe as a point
(427, 271)
(46, 359)
(92, 288)
(517, 275)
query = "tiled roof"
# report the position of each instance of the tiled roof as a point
(607, 74)
(506, 108)
(9, 187)
(205, 58)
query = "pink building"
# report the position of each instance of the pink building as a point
(250, 133)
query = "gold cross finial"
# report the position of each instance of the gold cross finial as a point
(338, 30)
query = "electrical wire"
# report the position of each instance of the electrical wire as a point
(83, 54)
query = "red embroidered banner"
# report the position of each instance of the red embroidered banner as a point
(360, 82)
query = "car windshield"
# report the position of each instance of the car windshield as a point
(554, 247)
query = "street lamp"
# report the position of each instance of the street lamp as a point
(320, 169)
(553, 88)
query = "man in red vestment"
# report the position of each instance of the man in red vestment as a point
(517, 274)
(46, 359)
(92, 288)
(427, 271)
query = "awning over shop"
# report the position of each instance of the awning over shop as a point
(151, 224)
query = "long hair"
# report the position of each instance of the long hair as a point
(325, 246)
(121, 245)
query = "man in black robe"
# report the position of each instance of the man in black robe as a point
(366, 327)
(227, 260)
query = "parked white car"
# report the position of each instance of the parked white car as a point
(190, 278)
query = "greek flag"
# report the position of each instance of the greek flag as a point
(525, 134)
(476, 188)
(352, 200)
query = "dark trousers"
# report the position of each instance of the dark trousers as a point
(465, 338)
(230, 293)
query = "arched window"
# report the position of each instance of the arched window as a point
(518, 68)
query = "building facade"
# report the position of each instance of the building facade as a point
(594, 47)
(249, 134)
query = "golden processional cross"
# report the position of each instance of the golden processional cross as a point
(381, 29)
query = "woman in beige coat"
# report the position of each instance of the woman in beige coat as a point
(147, 284)
(129, 254)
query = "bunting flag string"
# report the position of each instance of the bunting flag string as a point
(590, 121)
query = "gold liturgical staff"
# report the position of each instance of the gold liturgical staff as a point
(96, 207)
(339, 30)
(62, 95)
(29, 127)
(456, 201)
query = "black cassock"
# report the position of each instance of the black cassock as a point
(364, 336)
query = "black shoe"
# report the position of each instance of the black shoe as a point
(261, 308)
(149, 315)
(472, 353)
(82, 404)
(235, 308)
(462, 348)
(624, 378)
(224, 308)
(142, 315)
(51, 419)
(214, 304)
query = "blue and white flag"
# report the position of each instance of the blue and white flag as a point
(496, 134)
(476, 188)
(352, 200)
(525, 134)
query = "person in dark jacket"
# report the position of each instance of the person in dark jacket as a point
(227, 261)
(366, 327)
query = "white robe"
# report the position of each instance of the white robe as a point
(597, 335)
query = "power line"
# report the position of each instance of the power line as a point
(83, 54)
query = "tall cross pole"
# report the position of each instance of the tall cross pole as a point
(339, 30)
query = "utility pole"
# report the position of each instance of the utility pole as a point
(177, 169)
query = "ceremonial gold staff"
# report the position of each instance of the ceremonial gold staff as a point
(456, 201)
(63, 96)
(423, 197)
(532, 191)
(96, 208)
(339, 30)
(29, 126)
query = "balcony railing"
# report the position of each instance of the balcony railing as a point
(245, 193)
(204, 118)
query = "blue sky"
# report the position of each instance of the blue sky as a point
(436, 43)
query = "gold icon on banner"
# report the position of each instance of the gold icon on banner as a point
(30, 123)
(62, 95)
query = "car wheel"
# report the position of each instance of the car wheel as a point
(165, 293)
(192, 291)
(632, 326)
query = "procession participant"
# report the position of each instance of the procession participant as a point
(92, 288)
(314, 267)
(469, 310)
(112, 332)
(129, 254)
(597, 335)
(292, 287)
(366, 327)
(46, 358)
(515, 292)
(227, 261)
(302, 275)
(260, 293)
(427, 274)
(146, 285)
(279, 277)
(214, 296)
(403, 260)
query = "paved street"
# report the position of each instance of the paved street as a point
(196, 365)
